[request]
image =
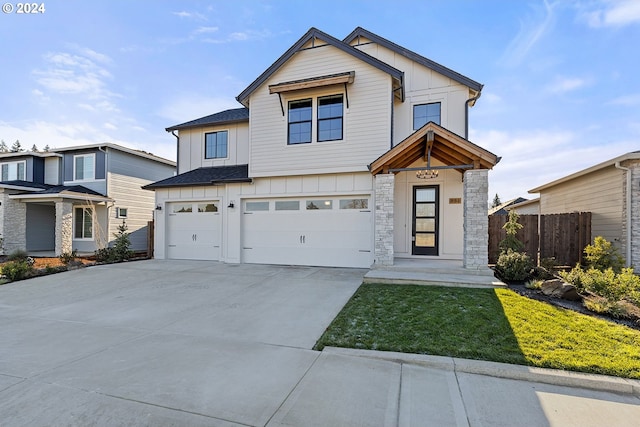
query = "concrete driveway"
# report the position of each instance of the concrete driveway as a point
(176, 343)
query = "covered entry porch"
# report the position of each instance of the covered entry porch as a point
(431, 193)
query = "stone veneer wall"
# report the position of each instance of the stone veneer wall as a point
(14, 224)
(476, 221)
(64, 227)
(384, 185)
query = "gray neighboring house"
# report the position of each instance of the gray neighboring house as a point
(74, 198)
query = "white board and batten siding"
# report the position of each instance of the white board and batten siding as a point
(126, 174)
(599, 192)
(366, 123)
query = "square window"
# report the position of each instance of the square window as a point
(425, 113)
(84, 167)
(215, 145)
(121, 212)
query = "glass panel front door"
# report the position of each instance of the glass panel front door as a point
(425, 220)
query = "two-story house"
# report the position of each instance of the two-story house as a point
(345, 153)
(75, 198)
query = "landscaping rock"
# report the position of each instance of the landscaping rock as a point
(558, 289)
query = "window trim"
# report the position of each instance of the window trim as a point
(289, 122)
(75, 176)
(119, 212)
(84, 208)
(8, 164)
(318, 119)
(226, 148)
(413, 114)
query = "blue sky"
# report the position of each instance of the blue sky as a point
(561, 78)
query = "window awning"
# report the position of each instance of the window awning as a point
(330, 79)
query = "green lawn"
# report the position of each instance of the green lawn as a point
(486, 324)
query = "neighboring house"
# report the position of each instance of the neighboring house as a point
(501, 209)
(611, 192)
(345, 153)
(527, 207)
(75, 198)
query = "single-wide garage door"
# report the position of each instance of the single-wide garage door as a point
(332, 231)
(193, 230)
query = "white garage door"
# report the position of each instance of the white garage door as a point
(332, 231)
(193, 230)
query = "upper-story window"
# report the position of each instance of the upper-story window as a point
(330, 113)
(425, 113)
(300, 121)
(12, 171)
(215, 145)
(84, 167)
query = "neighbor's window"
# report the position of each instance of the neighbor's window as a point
(215, 145)
(300, 121)
(121, 212)
(83, 223)
(330, 113)
(12, 171)
(84, 167)
(425, 113)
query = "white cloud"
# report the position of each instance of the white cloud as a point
(110, 126)
(613, 13)
(631, 100)
(206, 30)
(529, 35)
(566, 84)
(187, 108)
(190, 15)
(533, 158)
(240, 36)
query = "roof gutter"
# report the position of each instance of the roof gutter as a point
(628, 212)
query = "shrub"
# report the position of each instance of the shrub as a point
(18, 255)
(17, 270)
(511, 227)
(534, 284)
(120, 251)
(603, 255)
(514, 265)
(67, 257)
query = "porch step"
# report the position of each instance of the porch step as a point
(434, 277)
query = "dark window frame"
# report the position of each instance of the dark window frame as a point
(215, 155)
(330, 118)
(439, 104)
(299, 122)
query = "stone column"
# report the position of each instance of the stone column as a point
(384, 185)
(476, 221)
(64, 227)
(14, 224)
(634, 169)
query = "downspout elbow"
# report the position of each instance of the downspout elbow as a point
(173, 132)
(466, 113)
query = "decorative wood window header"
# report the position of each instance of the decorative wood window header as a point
(330, 79)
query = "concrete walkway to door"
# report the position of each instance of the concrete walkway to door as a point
(187, 343)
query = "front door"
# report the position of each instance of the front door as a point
(425, 220)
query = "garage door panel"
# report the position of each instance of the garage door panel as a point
(193, 233)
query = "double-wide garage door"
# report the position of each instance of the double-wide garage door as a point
(193, 230)
(332, 231)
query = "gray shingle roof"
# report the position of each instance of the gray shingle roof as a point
(205, 176)
(50, 189)
(234, 115)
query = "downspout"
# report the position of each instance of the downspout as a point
(628, 208)
(177, 152)
(106, 193)
(466, 113)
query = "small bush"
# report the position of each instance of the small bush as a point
(17, 270)
(514, 266)
(603, 255)
(18, 255)
(120, 251)
(67, 257)
(511, 227)
(104, 254)
(534, 284)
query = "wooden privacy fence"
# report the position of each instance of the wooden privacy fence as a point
(561, 236)
(150, 239)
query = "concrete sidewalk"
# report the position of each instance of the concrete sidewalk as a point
(177, 343)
